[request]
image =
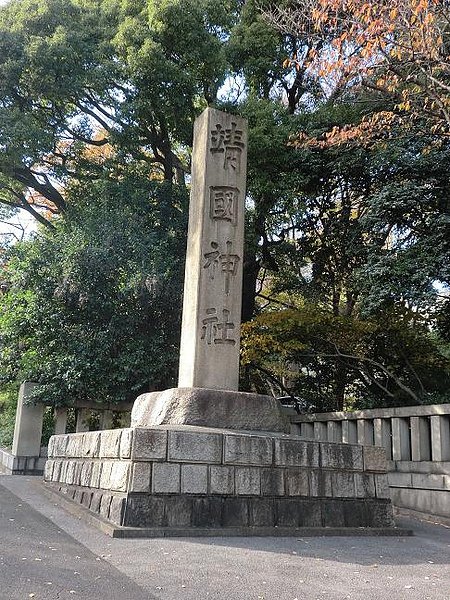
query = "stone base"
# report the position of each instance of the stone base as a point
(426, 492)
(186, 478)
(21, 465)
(182, 515)
(209, 408)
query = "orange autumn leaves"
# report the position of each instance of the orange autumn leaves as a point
(366, 34)
(397, 48)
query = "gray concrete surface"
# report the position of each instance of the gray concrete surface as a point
(49, 553)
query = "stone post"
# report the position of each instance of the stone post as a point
(209, 353)
(420, 439)
(28, 427)
(334, 431)
(401, 443)
(349, 432)
(440, 437)
(307, 430)
(382, 435)
(60, 420)
(320, 431)
(83, 415)
(106, 419)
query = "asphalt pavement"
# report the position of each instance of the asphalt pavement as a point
(49, 554)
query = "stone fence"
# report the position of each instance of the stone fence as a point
(417, 444)
(28, 454)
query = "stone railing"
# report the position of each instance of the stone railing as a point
(28, 455)
(417, 444)
(107, 415)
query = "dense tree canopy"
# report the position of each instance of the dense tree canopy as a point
(369, 234)
(92, 310)
(86, 73)
(348, 218)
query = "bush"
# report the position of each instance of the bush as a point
(8, 404)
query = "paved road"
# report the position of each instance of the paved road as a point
(40, 560)
(46, 552)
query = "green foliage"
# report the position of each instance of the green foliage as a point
(8, 403)
(314, 355)
(93, 308)
(81, 74)
(344, 241)
(359, 234)
(255, 51)
(48, 425)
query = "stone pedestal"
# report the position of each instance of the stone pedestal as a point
(209, 408)
(185, 480)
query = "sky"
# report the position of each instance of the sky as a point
(24, 219)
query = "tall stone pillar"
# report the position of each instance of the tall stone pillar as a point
(209, 355)
(179, 467)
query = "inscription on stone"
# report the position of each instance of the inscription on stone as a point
(229, 142)
(209, 355)
(227, 262)
(224, 203)
(215, 331)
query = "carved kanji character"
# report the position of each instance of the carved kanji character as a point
(212, 260)
(215, 331)
(223, 329)
(224, 203)
(229, 264)
(209, 326)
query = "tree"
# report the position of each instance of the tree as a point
(330, 362)
(340, 206)
(91, 310)
(269, 93)
(138, 72)
(97, 102)
(399, 48)
(8, 404)
(343, 222)
(362, 238)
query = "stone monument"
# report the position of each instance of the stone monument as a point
(209, 355)
(204, 458)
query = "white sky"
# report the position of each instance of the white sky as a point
(23, 219)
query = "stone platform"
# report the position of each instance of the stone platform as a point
(166, 479)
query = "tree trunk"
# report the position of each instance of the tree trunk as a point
(250, 277)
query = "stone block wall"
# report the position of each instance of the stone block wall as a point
(423, 487)
(196, 477)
